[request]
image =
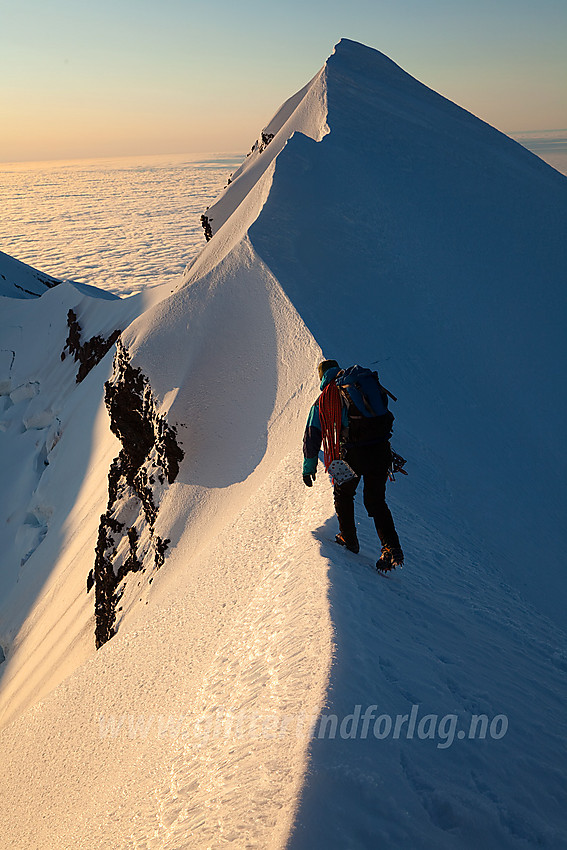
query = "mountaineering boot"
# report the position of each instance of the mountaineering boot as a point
(351, 542)
(390, 558)
(347, 526)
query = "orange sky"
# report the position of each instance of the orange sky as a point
(143, 77)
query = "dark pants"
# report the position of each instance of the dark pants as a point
(371, 463)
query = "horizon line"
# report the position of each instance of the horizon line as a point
(195, 155)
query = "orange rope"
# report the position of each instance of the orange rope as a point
(330, 415)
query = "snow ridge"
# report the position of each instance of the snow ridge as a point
(241, 202)
(373, 222)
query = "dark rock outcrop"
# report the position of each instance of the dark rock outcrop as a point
(266, 138)
(206, 225)
(148, 461)
(262, 143)
(87, 353)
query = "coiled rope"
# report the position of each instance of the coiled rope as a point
(330, 415)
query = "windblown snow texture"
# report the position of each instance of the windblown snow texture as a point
(373, 222)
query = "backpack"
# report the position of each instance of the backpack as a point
(366, 401)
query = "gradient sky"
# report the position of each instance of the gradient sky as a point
(120, 77)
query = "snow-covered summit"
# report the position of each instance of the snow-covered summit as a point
(374, 222)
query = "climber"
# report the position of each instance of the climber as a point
(352, 420)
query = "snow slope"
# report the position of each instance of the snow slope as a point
(452, 237)
(56, 448)
(381, 224)
(17, 280)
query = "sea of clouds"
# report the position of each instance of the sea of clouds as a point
(119, 224)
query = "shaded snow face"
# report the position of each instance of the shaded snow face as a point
(17, 280)
(415, 237)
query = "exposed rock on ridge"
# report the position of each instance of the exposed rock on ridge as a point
(148, 462)
(87, 353)
(206, 225)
